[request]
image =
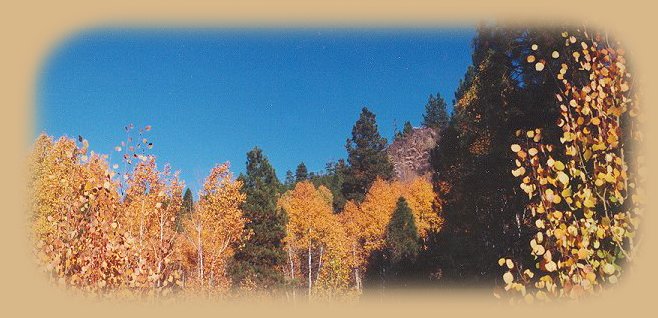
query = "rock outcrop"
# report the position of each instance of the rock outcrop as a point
(410, 153)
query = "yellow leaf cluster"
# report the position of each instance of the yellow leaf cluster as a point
(585, 229)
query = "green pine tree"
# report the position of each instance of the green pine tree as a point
(464, 84)
(289, 182)
(185, 210)
(481, 204)
(402, 241)
(406, 130)
(301, 173)
(262, 255)
(367, 158)
(333, 179)
(436, 115)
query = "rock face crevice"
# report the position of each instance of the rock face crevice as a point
(410, 153)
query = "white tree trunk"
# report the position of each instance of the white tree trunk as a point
(317, 274)
(309, 265)
(292, 271)
(200, 255)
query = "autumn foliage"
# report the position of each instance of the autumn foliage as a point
(89, 236)
(214, 230)
(585, 194)
(115, 233)
(561, 210)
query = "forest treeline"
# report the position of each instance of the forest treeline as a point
(535, 192)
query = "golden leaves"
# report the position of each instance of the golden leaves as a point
(539, 66)
(214, 227)
(314, 228)
(508, 278)
(88, 248)
(509, 263)
(571, 198)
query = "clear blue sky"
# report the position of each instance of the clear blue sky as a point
(212, 95)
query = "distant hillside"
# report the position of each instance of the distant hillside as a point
(410, 153)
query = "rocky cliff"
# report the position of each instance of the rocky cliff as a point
(410, 153)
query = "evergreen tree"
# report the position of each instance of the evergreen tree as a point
(367, 157)
(301, 173)
(464, 84)
(259, 260)
(436, 115)
(402, 241)
(472, 164)
(186, 209)
(406, 130)
(394, 265)
(333, 179)
(289, 183)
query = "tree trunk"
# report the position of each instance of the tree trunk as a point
(292, 271)
(200, 255)
(309, 266)
(317, 275)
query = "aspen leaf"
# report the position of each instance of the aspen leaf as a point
(609, 269)
(539, 66)
(558, 165)
(508, 278)
(562, 177)
(532, 151)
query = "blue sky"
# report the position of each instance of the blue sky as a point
(212, 95)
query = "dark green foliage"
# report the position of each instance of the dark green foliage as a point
(367, 157)
(301, 173)
(436, 115)
(289, 183)
(464, 84)
(406, 130)
(402, 242)
(185, 210)
(395, 265)
(259, 260)
(472, 164)
(332, 179)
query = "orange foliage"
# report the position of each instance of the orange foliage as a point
(315, 236)
(365, 224)
(214, 229)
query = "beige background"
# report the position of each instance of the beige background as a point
(31, 29)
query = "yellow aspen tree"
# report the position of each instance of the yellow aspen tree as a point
(351, 219)
(365, 224)
(314, 237)
(75, 204)
(421, 198)
(377, 207)
(152, 200)
(215, 228)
